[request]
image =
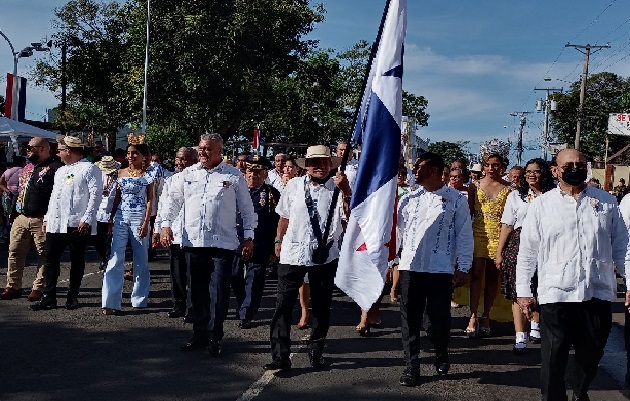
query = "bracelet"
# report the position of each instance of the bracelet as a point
(277, 241)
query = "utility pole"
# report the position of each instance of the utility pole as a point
(545, 138)
(519, 144)
(587, 53)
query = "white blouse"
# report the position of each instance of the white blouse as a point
(516, 208)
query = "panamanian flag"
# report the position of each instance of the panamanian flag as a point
(366, 245)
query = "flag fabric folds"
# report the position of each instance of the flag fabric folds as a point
(15, 100)
(365, 249)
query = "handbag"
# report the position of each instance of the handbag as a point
(321, 253)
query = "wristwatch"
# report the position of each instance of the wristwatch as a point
(277, 241)
(248, 239)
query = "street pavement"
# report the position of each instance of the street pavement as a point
(61, 355)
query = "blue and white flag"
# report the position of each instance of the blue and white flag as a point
(366, 245)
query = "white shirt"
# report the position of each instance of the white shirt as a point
(76, 195)
(274, 179)
(209, 200)
(435, 229)
(573, 244)
(299, 241)
(351, 172)
(107, 202)
(516, 208)
(176, 225)
(161, 174)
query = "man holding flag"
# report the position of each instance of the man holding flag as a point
(435, 229)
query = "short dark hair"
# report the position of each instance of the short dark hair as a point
(142, 148)
(433, 160)
(245, 153)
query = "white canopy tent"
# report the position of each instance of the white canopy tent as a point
(12, 131)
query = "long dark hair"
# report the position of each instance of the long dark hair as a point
(546, 178)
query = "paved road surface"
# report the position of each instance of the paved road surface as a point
(81, 355)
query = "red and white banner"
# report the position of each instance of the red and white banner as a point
(15, 99)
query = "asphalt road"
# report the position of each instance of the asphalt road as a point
(81, 355)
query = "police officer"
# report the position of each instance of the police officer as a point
(248, 276)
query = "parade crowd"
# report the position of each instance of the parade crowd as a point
(536, 244)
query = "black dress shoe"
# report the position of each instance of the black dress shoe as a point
(195, 343)
(102, 265)
(580, 397)
(442, 364)
(214, 349)
(190, 316)
(175, 313)
(410, 376)
(316, 358)
(278, 364)
(519, 350)
(45, 303)
(72, 303)
(245, 324)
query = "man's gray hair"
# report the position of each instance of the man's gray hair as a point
(282, 155)
(191, 151)
(212, 137)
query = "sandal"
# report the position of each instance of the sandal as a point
(484, 331)
(362, 330)
(108, 311)
(471, 332)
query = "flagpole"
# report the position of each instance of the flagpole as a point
(346, 153)
(146, 69)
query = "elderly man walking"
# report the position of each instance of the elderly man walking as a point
(573, 235)
(209, 195)
(302, 248)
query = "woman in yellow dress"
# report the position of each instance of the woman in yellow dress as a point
(486, 199)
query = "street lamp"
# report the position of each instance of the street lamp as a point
(26, 52)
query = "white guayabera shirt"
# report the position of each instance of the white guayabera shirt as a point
(176, 225)
(75, 198)
(435, 230)
(573, 244)
(300, 241)
(209, 200)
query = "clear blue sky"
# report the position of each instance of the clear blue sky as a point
(475, 61)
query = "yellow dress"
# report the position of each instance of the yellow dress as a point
(486, 231)
(487, 222)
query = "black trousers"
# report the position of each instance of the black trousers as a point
(102, 241)
(179, 278)
(248, 284)
(290, 278)
(210, 272)
(417, 292)
(55, 246)
(585, 325)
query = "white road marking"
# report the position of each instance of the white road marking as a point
(257, 387)
(84, 276)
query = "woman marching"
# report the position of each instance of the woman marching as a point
(130, 219)
(536, 180)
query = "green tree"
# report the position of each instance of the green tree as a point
(450, 150)
(606, 93)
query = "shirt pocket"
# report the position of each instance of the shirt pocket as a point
(560, 276)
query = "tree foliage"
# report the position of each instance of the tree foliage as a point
(450, 151)
(606, 93)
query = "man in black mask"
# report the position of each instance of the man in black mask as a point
(32, 204)
(572, 235)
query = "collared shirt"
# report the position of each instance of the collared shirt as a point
(351, 172)
(176, 225)
(516, 208)
(109, 194)
(161, 174)
(274, 179)
(209, 200)
(39, 187)
(265, 199)
(300, 241)
(573, 245)
(75, 197)
(435, 230)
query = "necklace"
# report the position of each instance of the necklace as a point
(133, 173)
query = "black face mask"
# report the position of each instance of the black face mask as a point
(574, 177)
(34, 159)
